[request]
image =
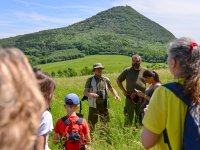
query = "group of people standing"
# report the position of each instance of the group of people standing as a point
(136, 94)
(165, 120)
(26, 95)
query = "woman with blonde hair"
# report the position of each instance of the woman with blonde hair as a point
(166, 119)
(21, 102)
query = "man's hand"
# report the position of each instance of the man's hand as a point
(117, 97)
(140, 93)
(146, 108)
(94, 95)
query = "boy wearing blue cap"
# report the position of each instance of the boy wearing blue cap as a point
(71, 129)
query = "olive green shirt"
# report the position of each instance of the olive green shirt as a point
(133, 79)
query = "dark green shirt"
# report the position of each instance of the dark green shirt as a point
(133, 79)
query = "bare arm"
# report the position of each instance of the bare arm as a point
(88, 139)
(114, 92)
(149, 138)
(56, 138)
(120, 85)
(41, 141)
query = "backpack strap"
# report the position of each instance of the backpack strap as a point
(93, 84)
(106, 84)
(79, 121)
(66, 121)
(178, 90)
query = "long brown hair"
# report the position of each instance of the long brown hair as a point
(187, 53)
(21, 102)
(46, 83)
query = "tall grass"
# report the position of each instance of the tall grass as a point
(116, 137)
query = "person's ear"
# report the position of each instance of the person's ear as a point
(173, 63)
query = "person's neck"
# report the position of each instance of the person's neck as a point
(136, 69)
(47, 106)
(154, 82)
(177, 76)
(98, 76)
(73, 113)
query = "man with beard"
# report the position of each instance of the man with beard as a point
(134, 82)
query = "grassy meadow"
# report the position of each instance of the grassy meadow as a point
(112, 63)
(116, 137)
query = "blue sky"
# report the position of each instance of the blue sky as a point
(18, 17)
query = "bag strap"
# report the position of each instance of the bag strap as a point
(178, 90)
(66, 121)
(79, 121)
(106, 84)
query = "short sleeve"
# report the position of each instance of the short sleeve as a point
(108, 82)
(122, 76)
(86, 129)
(155, 117)
(57, 126)
(46, 124)
(88, 83)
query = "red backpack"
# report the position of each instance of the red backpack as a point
(73, 133)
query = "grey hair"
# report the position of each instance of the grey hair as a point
(137, 56)
(188, 59)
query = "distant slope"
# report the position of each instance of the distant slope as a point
(112, 64)
(119, 30)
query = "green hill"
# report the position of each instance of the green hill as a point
(119, 30)
(83, 66)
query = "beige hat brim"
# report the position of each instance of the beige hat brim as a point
(97, 68)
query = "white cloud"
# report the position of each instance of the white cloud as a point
(16, 31)
(40, 19)
(174, 7)
(83, 8)
(5, 23)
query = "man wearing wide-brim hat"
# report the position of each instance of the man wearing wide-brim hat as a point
(98, 65)
(96, 89)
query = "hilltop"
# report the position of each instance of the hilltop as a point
(119, 30)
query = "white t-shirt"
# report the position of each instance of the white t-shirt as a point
(46, 126)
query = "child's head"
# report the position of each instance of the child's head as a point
(21, 102)
(72, 102)
(46, 83)
(184, 62)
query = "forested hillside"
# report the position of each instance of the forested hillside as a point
(119, 30)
